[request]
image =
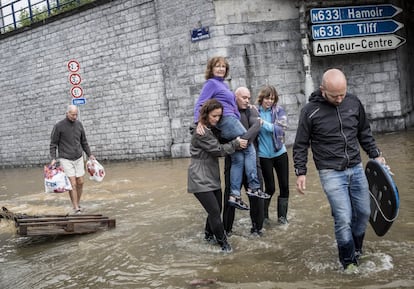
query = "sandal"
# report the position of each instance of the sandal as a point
(257, 193)
(237, 203)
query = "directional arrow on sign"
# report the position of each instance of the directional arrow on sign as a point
(353, 13)
(356, 44)
(339, 30)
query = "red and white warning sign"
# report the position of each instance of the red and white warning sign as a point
(76, 91)
(73, 65)
(75, 79)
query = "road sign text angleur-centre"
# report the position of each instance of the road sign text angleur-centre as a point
(356, 44)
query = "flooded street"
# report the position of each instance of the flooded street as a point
(158, 239)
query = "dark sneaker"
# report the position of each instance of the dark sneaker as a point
(209, 238)
(257, 193)
(237, 203)
(256, 233)
(226, 248)
(282, 221)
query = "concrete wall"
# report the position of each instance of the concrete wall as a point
(141, 74)
(117, 45)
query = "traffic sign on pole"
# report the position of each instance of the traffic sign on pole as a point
(356, 44)
(75, 79)
(76, 91)
(73, 65)
(353, 13)
(339, 30)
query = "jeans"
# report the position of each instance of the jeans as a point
(242, 161)
(348, 195)
(256, 204)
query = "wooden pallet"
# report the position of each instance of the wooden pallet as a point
(57, 224)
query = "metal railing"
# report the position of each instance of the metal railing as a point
(21, 13)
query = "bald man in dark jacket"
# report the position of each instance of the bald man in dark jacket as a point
(249, 117)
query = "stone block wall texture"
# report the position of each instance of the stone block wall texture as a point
(141, 74)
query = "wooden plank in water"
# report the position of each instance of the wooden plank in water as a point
(63, 222)
(57, 224)
(64, 227)
(54, 218)
(69, 229)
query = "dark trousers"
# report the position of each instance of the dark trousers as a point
(211, 202)
(256, 204)
(281, 165)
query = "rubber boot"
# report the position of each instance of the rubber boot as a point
(282, 208)
(358, 240)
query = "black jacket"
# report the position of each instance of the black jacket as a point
(334, 134)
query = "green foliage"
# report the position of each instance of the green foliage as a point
(38, 15)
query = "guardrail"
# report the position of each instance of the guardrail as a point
(21, 13)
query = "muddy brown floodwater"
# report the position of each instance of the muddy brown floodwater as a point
(158, 239)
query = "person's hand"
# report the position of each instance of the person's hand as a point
(382, 161)
(242, 142)
(53, 162)
(200, 129)
(301, 184)
(253, 106)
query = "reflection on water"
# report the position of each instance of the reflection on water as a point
(158, 240)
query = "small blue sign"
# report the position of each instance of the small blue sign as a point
(339, 30)
(198, 34)
(353, 13)
(78, 101)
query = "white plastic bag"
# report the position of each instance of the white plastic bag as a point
(95, 170)
(55, 180)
